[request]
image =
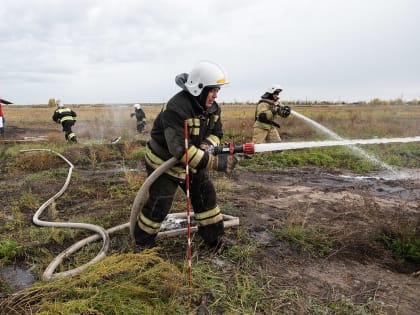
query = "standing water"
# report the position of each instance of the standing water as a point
(337, 137)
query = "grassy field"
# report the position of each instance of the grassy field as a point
(330, 228)
(348, 121)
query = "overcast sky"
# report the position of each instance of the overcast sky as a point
(125, 51)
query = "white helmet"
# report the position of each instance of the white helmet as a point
(274, 88)
(58, 103)
(205, 73)
(137, 106)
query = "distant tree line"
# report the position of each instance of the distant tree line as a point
(375, 101)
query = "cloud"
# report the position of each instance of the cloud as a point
(126, 51)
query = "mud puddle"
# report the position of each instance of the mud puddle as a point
(403, 184)
(17, 278)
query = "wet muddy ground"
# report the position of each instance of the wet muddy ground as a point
(348, 208)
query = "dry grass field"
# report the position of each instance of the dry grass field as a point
(349, 121)
(312, 239)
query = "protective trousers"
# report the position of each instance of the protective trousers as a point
(140, 126)
(68, 133)
(161, 195)
(262, 135)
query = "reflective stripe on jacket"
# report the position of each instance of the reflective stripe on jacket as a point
(62, 114)
(167, 134)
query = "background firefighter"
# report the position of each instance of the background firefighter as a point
(268, 108)
(2, 119)
(140, 117)
(196, 105)
(67, 118)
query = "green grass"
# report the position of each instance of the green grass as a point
(124, 284)
(398, 155)
(325, 158)
(9, 250)
(316, 243)
(404, 246)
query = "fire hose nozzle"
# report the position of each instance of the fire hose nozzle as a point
(231, 148)
(248, 148)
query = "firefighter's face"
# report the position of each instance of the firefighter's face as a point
(211, 97)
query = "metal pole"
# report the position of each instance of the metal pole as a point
(187, 190)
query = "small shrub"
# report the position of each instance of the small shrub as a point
(28, 200)
(9, 249)
(39, 162)
(405, 247)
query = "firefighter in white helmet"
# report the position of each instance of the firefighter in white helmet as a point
(196, 105)
(67, 118)
(269, 108)
(140, 117)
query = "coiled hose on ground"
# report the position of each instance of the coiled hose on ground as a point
(100, 232)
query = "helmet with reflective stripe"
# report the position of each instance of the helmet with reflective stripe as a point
(205, 74)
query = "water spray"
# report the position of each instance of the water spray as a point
(335, 136)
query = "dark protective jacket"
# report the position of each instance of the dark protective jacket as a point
(62, 114)
(167, 135)
(139, 113)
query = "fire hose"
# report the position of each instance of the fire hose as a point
(251, 148)
(100, 232)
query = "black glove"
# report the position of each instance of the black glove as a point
(283, 111)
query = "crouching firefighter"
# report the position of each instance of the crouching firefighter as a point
(67, 118)
(195, 104)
